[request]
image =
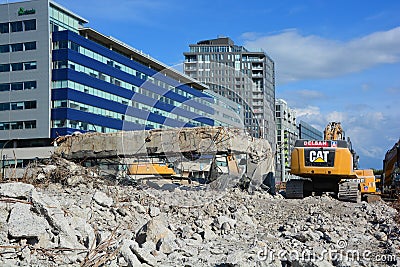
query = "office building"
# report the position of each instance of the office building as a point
(58, 76)
(246, 77)
(287, 134)
(308, 132)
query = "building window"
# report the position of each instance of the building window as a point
(30, 25)
(75, 47)
(17, 125)
(4, 48)
(30, 46)
(17, 66)
(30, 85)
(4, 87)
(17, 47)
(30, 124)
(62, 45)
(4, 28)
(4, 126)
(30, 65)
(4, 67)
(17, 86)
(4, 106)
(16, 26)
(30, 104)
(17, 106)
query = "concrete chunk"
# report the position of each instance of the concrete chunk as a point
(128, 255)
(16, 190)
(51, 210)
(102, 199)
(154, 230)
(23, 223)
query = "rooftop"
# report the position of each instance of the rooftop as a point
(218, 41)
(67, 11)
(141, 57)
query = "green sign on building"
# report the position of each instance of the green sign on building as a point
(22, 11)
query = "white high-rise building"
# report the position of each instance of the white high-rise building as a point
(245, 77)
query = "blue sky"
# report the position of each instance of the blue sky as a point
(335, 60)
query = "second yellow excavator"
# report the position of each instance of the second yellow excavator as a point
(390, 184)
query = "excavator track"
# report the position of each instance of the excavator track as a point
(349, 191)
(298, 188)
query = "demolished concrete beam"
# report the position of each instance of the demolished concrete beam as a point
(203, 140)
(173, 142)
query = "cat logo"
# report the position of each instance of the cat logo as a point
(319, 156)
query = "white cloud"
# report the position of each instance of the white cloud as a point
(336, 116)
(308, 111)
(393, 90)
(299, 57)
(312, 115)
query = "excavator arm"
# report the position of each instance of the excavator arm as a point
(334, 131)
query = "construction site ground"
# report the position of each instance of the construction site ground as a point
(67, 215)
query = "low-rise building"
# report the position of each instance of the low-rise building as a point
(287, 134)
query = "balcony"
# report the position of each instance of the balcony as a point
(191, 68)
(257, 66)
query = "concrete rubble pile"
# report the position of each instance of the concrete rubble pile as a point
(89, 223)
(59, 170)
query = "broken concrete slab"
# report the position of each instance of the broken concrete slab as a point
(224, 220)
(23, 223)
(142, 254)
(16, 190)
(102, 199)
(180, 140)
(128, 255)
(154, 230)
(53, 213)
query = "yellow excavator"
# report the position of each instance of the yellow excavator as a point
(149, 168)
(390, 185)
(329, 165)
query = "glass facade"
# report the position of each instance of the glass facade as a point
(62, 20)
(308, 132)
(129, 91)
